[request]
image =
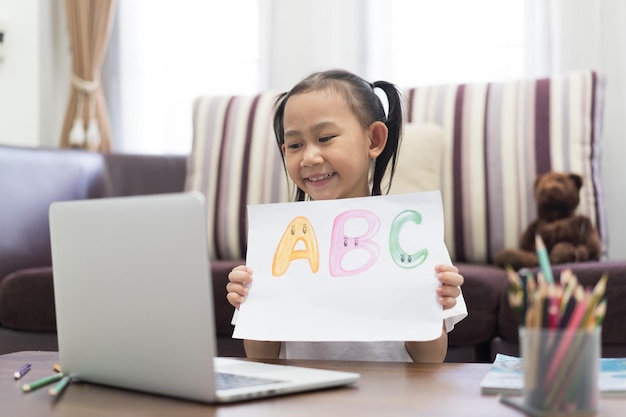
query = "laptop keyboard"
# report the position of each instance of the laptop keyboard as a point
(228, 381)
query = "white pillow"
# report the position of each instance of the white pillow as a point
(419, 160)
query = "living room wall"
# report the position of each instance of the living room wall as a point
(34, 85)
(34, 72)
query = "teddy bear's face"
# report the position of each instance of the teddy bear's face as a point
(557, 194)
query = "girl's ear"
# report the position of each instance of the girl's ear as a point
(378, 133)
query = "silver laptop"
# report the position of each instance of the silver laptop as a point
(134, 305)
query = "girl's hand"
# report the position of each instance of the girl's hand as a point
(450, 287)
(237, 287)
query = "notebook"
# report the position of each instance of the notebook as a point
(134, 308)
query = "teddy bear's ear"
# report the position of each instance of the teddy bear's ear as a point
(577, 179)
(538, 179)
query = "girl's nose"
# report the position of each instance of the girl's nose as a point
(312, 156)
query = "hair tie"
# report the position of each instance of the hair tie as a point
(384, 100)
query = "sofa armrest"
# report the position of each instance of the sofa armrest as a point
(588, 274)
(31, 179)
(481, 291)
(27, 300)
(145, 174)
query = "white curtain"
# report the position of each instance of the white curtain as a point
(300, 37)
(537, 38)
(576, 29)
(591, 34)
(164, 53)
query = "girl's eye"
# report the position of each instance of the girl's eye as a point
(325, 138)
(294, 146)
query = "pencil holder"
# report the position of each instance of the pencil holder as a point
(561, 368)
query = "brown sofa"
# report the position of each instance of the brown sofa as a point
(31, 178)
(493, 139)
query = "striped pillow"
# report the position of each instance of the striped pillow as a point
(498, 138)
(234, 162)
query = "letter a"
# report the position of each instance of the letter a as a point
(298, 230)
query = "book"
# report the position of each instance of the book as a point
(506, 377)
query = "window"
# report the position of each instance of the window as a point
(448, 41)
(170, 52)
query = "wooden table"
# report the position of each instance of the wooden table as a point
(385, 389)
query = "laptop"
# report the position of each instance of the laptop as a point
(134, 307)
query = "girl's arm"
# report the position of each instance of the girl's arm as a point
(257, 349)
(237, 287)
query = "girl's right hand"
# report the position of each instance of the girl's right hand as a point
(237, 287)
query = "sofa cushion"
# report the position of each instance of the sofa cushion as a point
(481, 290)
(235, 162)
(27, 300)
(31, 179)
(419, 160)
(136, 174)
(498, 138)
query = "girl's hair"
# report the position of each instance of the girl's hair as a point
(366, 106)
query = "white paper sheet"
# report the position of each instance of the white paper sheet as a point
(325, 270)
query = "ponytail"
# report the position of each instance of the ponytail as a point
(394, 122)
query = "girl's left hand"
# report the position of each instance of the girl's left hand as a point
(450, 287)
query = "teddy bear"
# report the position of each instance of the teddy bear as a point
(568, 237)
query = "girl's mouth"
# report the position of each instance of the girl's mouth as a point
(320, 177)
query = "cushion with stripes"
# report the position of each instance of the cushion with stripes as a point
(498, 137)
(235, 162)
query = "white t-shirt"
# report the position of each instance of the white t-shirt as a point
(384, 351)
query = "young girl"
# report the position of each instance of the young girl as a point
(333, 129)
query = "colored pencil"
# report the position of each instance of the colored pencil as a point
(562, 323)
(41, 382)
(554, 299)
(514, 278)
(515, 293)
(596, 297)
(544, 260)
(579, 350)
(570, 330)
(58, 388)
(20, 372)
(600, 313)
(525, 276)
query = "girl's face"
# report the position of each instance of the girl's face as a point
(327, 151)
